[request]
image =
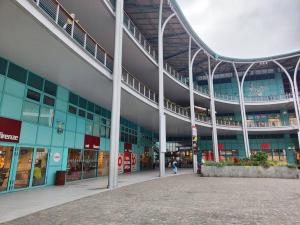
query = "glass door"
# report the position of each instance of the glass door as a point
(74, 165)
(40, 167)
(6, 155)
(23, 169)
(90, 163)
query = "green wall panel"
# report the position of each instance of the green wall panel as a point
(11, 107)
(44, 135)
(28, 133)
(69, 139)
(79, 141)
(14, 88)
(62, 93)
(71, 123)
(80, 126)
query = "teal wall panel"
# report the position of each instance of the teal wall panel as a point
(28, 133)
(57, 138)
(61, 105)
(79, 141)
(44, 135)
(11, 107)
(69, 139)
(71, 123)
(14, 88)
(80, 126)
(102, 144)
(62, 93)
(1, 82)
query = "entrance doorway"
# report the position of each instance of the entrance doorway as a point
(22, 167)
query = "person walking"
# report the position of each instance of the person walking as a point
(174, 166)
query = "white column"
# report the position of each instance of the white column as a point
(192, 102)
(213, 111)
(162, 117)
(297, 96)
(116, 101)
(243, 114)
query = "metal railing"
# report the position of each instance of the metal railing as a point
(64, 20)
(176, 75)
(130, 26)
(228, 123)
(258, 124)
(270, 98)
(138, 86)
(203, 119)
(201, 89)
(230, 98)
(176, 108)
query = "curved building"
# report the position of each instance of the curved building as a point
(109, 87)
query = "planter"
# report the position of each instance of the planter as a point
(251, 171)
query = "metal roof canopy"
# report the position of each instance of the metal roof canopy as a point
(145, 15)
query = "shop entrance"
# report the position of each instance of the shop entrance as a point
(22, 167)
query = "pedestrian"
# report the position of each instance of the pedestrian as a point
(174, 166)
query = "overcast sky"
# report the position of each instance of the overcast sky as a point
(246, 28)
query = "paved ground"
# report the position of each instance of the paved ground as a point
(183, 199)
(22, 203)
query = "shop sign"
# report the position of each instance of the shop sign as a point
(265, 146)
(120, 163)
(10, 130)
(127, 157)
(220, 146)
(56, 157)
(133, 162)
(91, 142)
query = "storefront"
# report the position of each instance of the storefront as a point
(87, 163)
(146, 162)
(184, 157)
(20, 166)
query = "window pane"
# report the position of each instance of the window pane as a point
(73, 98)
(46, 116)
(81, 113)
(50, 88)
(103, 131)
(48, 101)
(90, 107)
(90, 116)
(17, 73)
(96, 130)
(72, 109)
(82, 103)
(35, 81)
(30, 112)
(98, 110)
(3, 66)
(89, 127)
(33, 95)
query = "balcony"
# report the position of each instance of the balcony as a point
(73, 29)
(268, 99)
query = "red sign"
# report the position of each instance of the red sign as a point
(220, 146)
(127, 157)
(120, 163)
(265, 146)
(10, 130)
(133, 162)
(91, 142)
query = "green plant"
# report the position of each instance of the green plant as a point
(260, 157)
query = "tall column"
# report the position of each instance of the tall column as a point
(297, 95)
(243, 114)
(162, 117)
(213, 111)
(192, 103)
(116, 100)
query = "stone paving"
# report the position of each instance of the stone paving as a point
(182, 199)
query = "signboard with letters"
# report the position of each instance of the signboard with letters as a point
(91, 142)
(10, 130)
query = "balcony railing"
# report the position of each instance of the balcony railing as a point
(138, 86)
(201, 89)
(176, 108)
(257, 124)
(176, 75)
(230, 98)
(271, 98)
(66, 22)
(203, 119)
(228, 123)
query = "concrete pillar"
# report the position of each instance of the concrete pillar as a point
(116, 101)
(213, 111)
(162, 117)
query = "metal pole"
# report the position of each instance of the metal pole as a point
(116, 101)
